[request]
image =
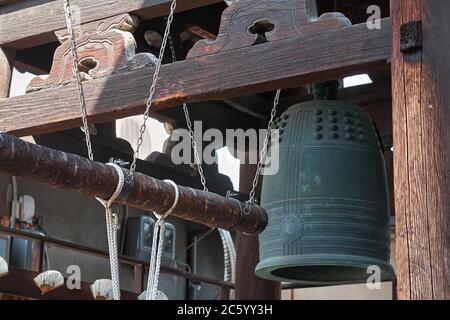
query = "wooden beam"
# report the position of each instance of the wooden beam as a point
(4, 2)
(248, 285)
(6, 69)
(279, 64)
(73, 143)
(421, 109)
(18, 21)
(73, 173)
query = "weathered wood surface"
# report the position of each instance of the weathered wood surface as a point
(248, 285)
(421, 109)
(103, 47)
(3, 2)
(73, 173)
(6, 68)
(245, 23)
(279, 64)
(30, 23)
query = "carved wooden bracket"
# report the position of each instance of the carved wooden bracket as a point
(246, 23)
(104, 47)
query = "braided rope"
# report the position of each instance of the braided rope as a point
(111, 231)
(157, 247)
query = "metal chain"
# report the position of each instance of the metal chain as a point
(111, 218)
(194, 148)
(77, 76)
(189, 126)
(146, 115)
(263, 153)
(152, 91)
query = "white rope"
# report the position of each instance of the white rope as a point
(111, 231)
(157, 246)
(111, 219)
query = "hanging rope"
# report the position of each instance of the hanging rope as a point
(111, 230)
(157, 246)
(111, 219)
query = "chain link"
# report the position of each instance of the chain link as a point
(189, 126)
(152, 92)
(146, 114)
(263, 153)
(194, 148)
(77, 76)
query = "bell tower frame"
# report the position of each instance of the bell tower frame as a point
(421, 109)
(415, 40)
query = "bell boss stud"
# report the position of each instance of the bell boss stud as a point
(73, 173)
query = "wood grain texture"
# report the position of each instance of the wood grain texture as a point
(248, 285)
(421, 103)
(279, 64)
(103, 47)
(73, 173)
(4, 2)
(288, 18)
(18, 21)
(6, 68)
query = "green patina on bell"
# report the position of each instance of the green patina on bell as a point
(328, 204)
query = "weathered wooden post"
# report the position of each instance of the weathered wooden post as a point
(421, 111)
(6, 68)
(248, 285)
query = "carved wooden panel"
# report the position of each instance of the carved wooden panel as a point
(245, 23)
(104, 47)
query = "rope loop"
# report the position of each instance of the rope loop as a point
(108, 203)
(112, 225)
(157, 246)
(162, 217)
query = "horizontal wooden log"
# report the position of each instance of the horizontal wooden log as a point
(74, 173)
(279, 64)
(18, 21)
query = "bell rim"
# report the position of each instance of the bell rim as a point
(265, 268)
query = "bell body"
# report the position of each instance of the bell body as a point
(328, 204)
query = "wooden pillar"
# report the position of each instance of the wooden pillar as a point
(6, 66)
(421, 116)
(249, 286)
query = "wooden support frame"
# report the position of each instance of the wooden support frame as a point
(421, 109)
(6, 70)
(216, 76)
(18, 21)
(248, 285)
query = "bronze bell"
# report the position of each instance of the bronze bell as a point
(328, 204)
